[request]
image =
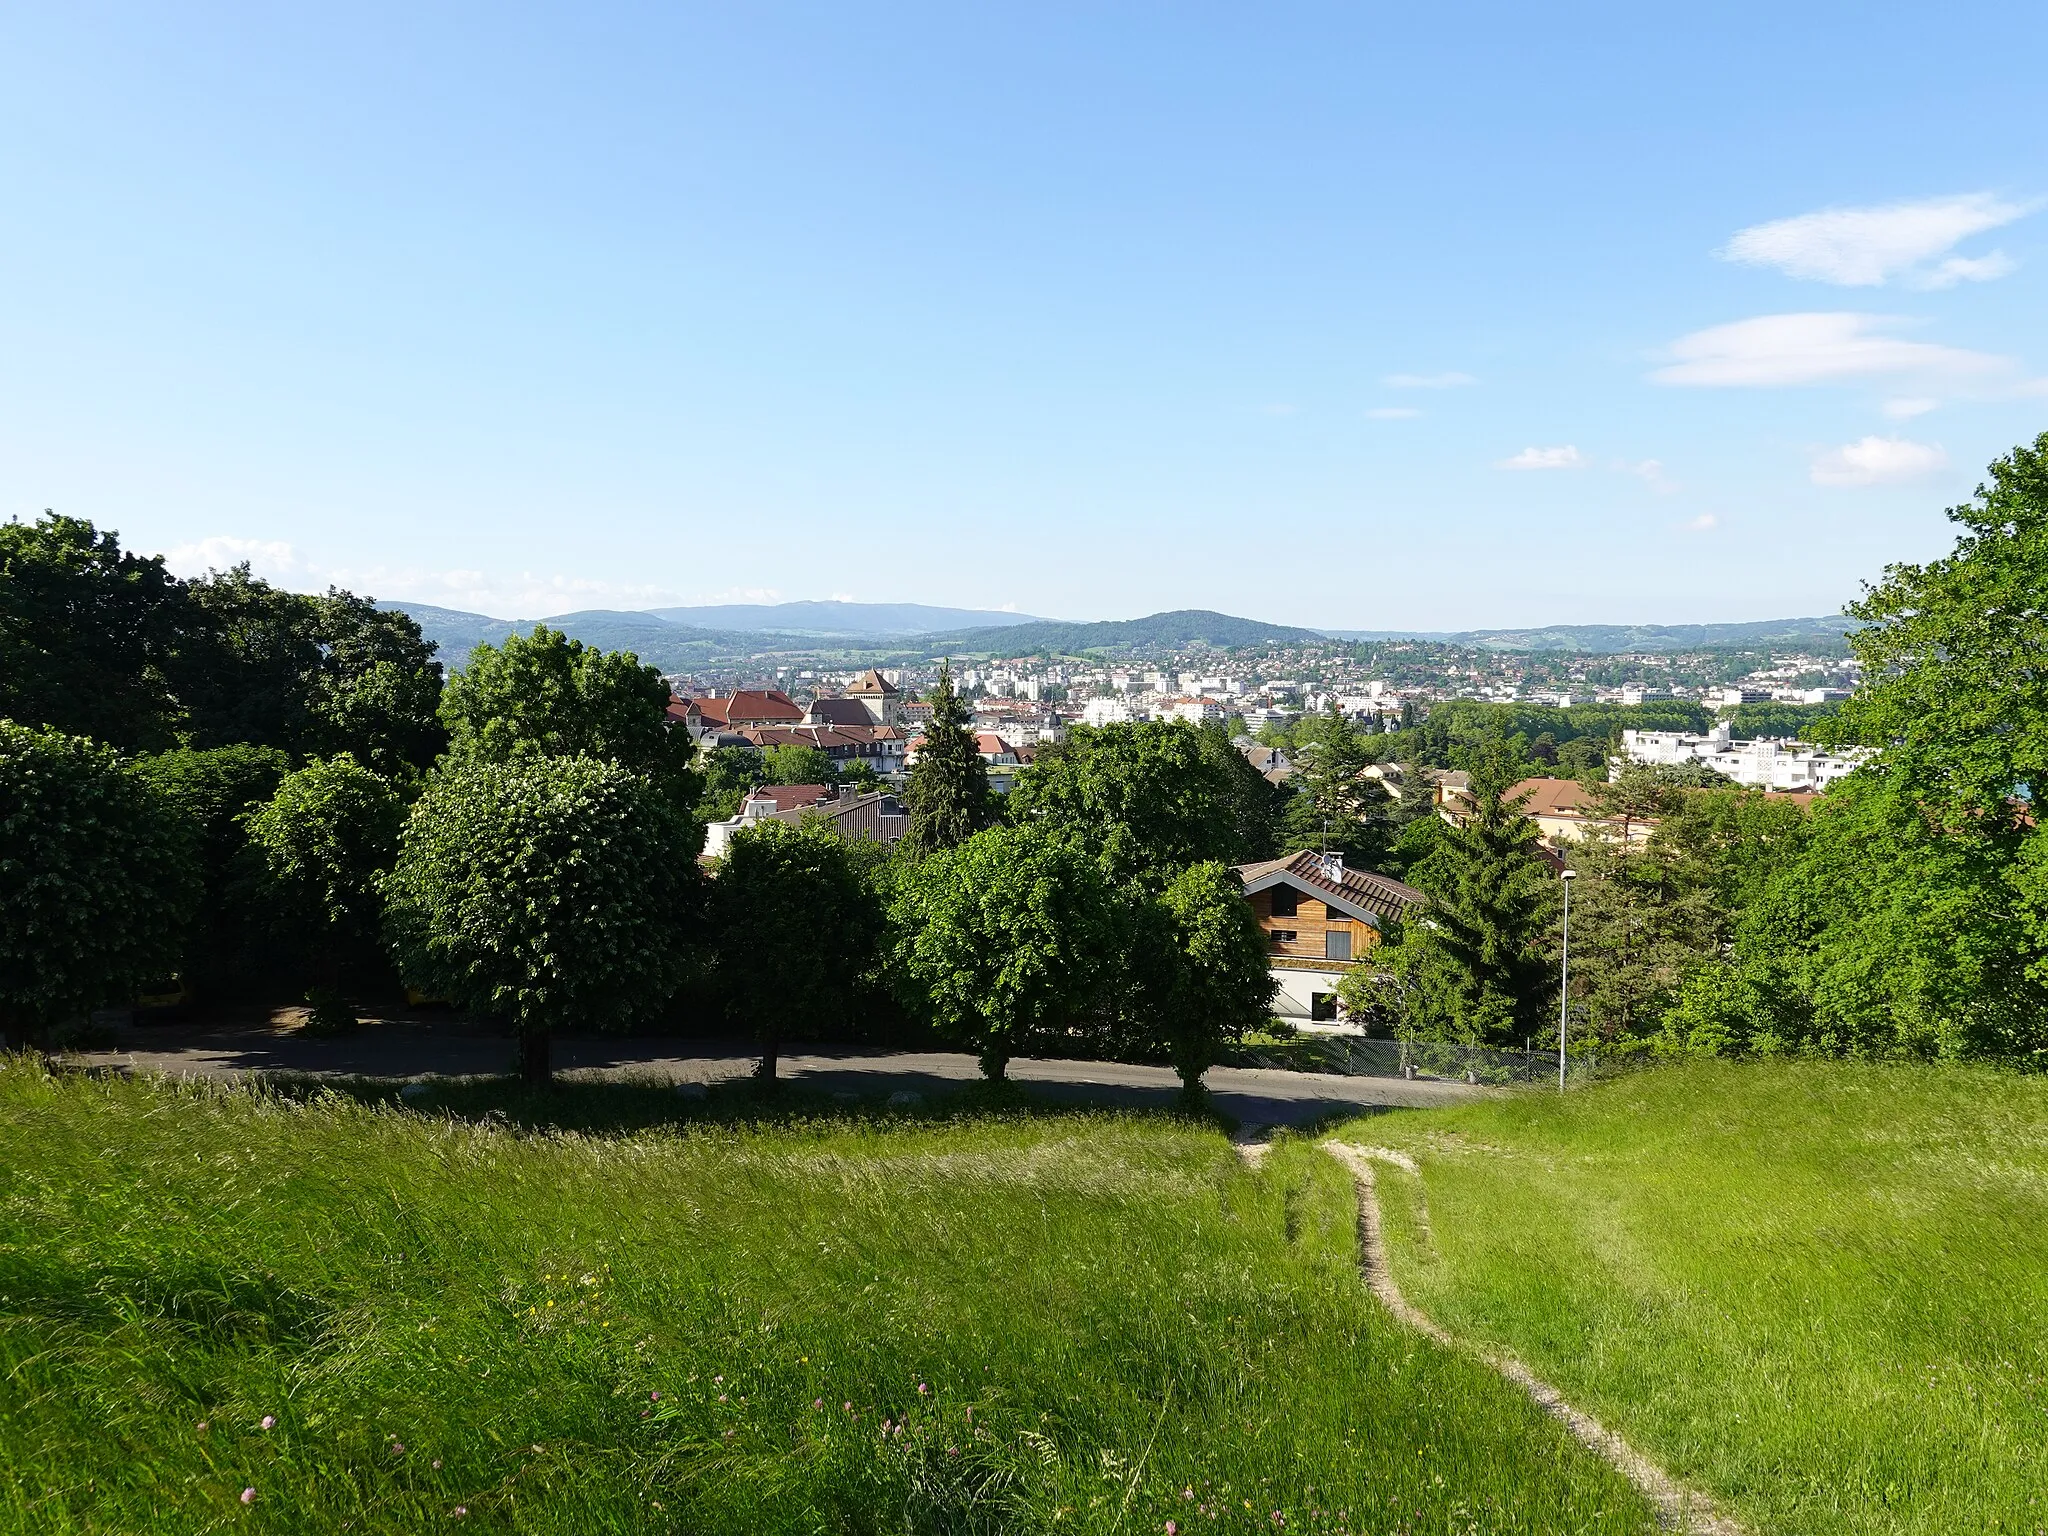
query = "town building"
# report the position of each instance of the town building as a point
(1765, 763)
(855, 816)
(1320, 919)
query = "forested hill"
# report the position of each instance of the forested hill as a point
(1824, 632)
(659, 643)
(1180, 628)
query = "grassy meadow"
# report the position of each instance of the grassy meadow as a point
(226, 1310)
(1819, 1291)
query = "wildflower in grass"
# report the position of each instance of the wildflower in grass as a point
(817, 1402)
(269, 1421)
(923, 1390)
(654, 1397)
(437, 1463)
(847, 1406)
(203, 1426)
(248, 1495)
(1173, 1528)
(461, 1511)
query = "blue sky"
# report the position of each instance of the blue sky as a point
(1364, 316)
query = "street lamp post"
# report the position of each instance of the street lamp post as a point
(1564, 980)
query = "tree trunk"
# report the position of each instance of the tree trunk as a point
(536, 1063)
(771, 1059)
(995, 1064)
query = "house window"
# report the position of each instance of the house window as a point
(1337, 944)
(1282, 935)
(1286, 900)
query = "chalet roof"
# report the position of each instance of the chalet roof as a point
(1375, 899)
(872, 682)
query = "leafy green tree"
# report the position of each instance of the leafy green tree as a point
(1955, 658)
(88, 634)
(1255, 800)
(1885, 935)
(860, 777)
(949, 797)
(545, 695)
(1221, 984)
(316, 676)
(730, 775)
(1006, 941)
(1475, 965)
(798, 929)
(1145, 797)
(547, 892)
(1337, 805)
(98, 877)
(213, 789)
(325, 840)
(796, 763)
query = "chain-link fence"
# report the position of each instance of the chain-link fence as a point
(1433, 1060)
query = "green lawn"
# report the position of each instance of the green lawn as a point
(1819, 1291)
(1086, 1323)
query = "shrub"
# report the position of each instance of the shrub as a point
(98, 878)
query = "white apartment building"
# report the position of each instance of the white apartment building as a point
(1194, 710)
(1761, 764)
(1109, 712)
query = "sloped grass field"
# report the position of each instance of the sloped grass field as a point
(1819, 1291)
(221, 1310)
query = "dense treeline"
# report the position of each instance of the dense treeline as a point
(302, 802)
(305, 805)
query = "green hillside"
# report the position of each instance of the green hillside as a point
(1819, 1291)
(1181, 628)
(375, 1320)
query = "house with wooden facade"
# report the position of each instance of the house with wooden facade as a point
(1320, 919)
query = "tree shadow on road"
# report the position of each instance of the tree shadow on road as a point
(616, 1107)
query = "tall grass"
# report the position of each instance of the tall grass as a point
(1821, 1291)
(382, 1320)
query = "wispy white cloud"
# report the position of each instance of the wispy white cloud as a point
(272, 559)
(1392, 413)
(1701, 523)
(1869, 247)
(1905, 407)
(1775, 351)
(1566, 457)
(1652, 473)
(520, 596)
(1428, 380)
(1877, 461)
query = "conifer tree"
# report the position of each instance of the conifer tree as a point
(949, 796)
(1477, 962)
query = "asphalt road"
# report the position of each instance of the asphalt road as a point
(401, 1049)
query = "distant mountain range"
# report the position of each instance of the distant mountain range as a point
(837, 618)
(1182, 627)
(665, 639)
(1612, 639)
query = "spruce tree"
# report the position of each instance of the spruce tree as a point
(1480, 960)
(949, 796)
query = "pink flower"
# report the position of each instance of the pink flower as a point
(817, 1402)
(654, 1397)
(1173, 1528)
(202, 1426)
(269, 1421)
(923, 1390)
(248, 1495)
(847, 1406)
